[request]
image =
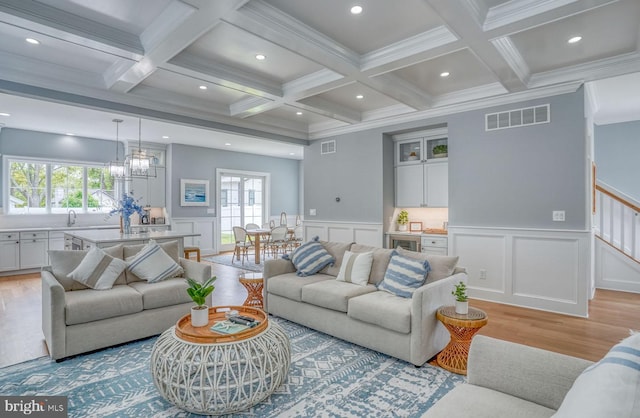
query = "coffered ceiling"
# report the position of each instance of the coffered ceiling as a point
(325, 70)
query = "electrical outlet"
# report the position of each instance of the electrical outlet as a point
(483, 274)
(558, 216)
(312, 212)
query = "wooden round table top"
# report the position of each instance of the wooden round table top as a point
(476, 318)
(204, 335)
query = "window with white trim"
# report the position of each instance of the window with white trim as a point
(42, 187)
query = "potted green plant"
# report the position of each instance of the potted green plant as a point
(402, 220)
(199, 292)
(440, 151)
(462, 300)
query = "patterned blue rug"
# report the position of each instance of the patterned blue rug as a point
(328, 378)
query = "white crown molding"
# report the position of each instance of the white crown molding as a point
(477, 9)
(387, 112)
(473, 93)
(512, 56)
(174, 15)
(516, 10)
(604, 68)
(407, 47)
(592, 97)
(453, 108)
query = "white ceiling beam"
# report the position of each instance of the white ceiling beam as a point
(329, 109)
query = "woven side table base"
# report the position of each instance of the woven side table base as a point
(462, 329)
(254, 291)
(222, 378)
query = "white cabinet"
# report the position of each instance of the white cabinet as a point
(150, 191)
(9, 251)
(33, 249)
(422, 169)
(434, 245)
(422, 185)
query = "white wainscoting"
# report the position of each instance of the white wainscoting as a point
(203, 226)
(540, 269)
(615, 270)
(360, 232)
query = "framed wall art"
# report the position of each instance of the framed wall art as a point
(194, 192)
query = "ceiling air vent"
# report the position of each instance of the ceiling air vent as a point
(517, 117)
(328, 147)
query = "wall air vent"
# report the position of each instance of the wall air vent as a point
(328, 147)
(517, 117)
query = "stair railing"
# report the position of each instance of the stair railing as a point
(617, 222)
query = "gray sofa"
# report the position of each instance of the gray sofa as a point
(77, 319)
(405, 328)
(510, 380)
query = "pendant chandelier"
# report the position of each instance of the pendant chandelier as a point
(138, 163)
(117, 167)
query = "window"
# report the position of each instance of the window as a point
(224, 196)
(251, 200)
(51, 187)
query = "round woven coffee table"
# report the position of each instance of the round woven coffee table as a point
(211, 373)
(462, 329)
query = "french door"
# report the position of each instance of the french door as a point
(242, 199)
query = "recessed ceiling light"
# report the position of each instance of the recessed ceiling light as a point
(360, 96)
(165, 137)
(5, 114)
(356, 10)
(444, 74)
(261, 57)
(574, 39)
(227, 143)
(203, 87)
(299, 113)
(70, 134)
(33, 41)
(292, 153)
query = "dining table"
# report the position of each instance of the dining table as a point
(258, 235)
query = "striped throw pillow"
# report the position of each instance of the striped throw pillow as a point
(153, 264)
(98, 270)
(355, 268)
(310, 258)
(404, 275)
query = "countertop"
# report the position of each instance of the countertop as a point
(75, 228)
(423, 232)
(114, 235)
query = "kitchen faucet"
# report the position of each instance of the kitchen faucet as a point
(69, 221)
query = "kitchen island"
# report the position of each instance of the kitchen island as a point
(88, 238)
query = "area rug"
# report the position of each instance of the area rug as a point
(328, 377)
(225, 259)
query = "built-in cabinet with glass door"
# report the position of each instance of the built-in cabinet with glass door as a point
(422, 169)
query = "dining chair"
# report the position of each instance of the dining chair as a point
(243, 243)
(252, 226)
(296, 238)
(278, 240)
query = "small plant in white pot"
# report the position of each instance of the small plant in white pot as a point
(199, 292)
(462, 300)
(403, 220)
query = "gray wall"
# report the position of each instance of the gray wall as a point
(18, 142)
(508, 178)
(201, 163)
(516, 177)
(617, 153)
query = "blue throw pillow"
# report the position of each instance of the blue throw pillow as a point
(404, 275)
(310, 258)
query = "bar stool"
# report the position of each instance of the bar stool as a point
(189, 250)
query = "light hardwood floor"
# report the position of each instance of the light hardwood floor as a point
(612, 314)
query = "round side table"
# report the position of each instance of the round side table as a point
(209, 373)
(462, 329)
(254, 283)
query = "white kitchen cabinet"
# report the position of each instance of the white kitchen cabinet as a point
(434, 245)
(9, 251)
(33, 249)
(150, 191)
(422, 185)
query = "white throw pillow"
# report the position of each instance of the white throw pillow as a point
(608, 388)
(153, 264)
(355, 268)
(98, 270)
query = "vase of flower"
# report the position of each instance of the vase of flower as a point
(126, 224)
(127, 206)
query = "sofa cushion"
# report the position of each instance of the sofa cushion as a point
(64, 262)
(290, 285)
(171, 248)
(333, 294)
(381, 257)
(165, 293)
(90, 305)
(356, 268)
(404, 275)
(98, 270)
(337, 250)
(383, 309)
(608, 388)
(310, 258)
(153, 264)
(442, 266)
